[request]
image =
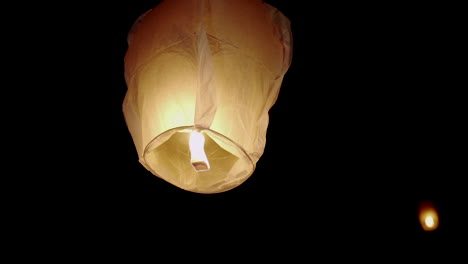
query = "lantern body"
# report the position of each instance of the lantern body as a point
(212, 66)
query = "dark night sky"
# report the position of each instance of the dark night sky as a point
(366, 125)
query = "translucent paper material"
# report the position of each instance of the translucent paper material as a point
(211, 66)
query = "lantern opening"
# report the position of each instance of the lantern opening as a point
(197, 150)
(170, 156)
(429, 221)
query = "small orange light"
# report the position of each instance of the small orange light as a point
(428, 216)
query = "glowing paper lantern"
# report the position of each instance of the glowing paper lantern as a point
(201, 77)
(428, 216)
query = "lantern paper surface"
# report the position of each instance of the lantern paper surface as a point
(206, 70)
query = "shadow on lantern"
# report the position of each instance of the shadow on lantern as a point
(201, 78)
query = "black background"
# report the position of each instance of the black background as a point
(367, 124)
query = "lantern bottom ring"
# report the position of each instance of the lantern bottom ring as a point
(168, 157)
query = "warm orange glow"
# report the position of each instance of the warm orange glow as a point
(429, 221)
(428, 216)
(197, 152)
(215, 67)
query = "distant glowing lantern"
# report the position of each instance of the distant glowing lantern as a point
(428, 216)
(201, 77)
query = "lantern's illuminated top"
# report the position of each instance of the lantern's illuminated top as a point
(201, 77)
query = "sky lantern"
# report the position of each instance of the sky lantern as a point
(201, 77)
(428, 216)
